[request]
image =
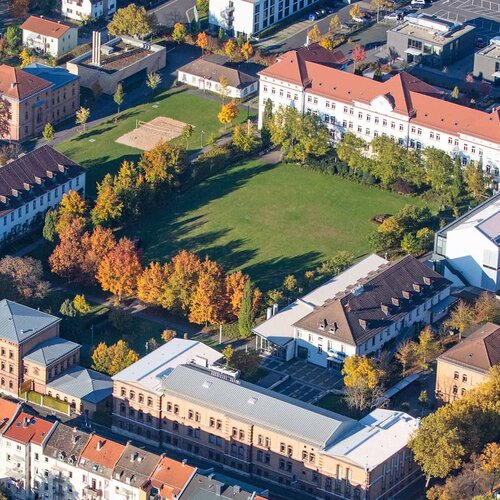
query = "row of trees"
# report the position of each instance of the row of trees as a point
(409, 170)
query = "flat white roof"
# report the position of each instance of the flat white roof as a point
(379, 435)
(279, 329)
(150, 369)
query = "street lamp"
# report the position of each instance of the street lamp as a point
(202, 132)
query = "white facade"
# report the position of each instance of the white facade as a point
(376, 117)
(55, 47)
(22, 217)
(214, 86)
(250, 17)
(86, 9)
(470, 245)
(15, 468)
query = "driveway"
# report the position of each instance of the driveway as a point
(176, 11)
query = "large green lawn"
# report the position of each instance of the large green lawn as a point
(269, 220)
(98, 152)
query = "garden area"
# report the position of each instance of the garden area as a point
(97, 151)
(268, 220)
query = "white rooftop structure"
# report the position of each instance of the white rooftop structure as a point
(151, 369)
(279, 328)
(378, 437)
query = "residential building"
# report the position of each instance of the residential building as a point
(487, 62)
(170, 478)
(33, 184)
(35, 101)
(358, 312)
(141, 385)
(470, 245)
(210, 413)
(16, 470)
(431, 41)
(467, 363)
(84, 10)
(404, 108)
(249, 18)
(47, 37)
(207, 73)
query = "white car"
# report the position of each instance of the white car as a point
(392, 16)
(418, 3)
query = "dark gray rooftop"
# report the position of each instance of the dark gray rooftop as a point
(51, 350)
(66, 443)
(83, 383)
(258, 406)
(18, 323)
(207, 488)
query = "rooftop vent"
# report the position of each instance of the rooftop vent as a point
(358, 290)
(323, 324)
(252, 401)
(100, 444)
(334, 327)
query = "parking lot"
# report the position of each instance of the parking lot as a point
(306, 381)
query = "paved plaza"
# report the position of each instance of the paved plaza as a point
(306, 381)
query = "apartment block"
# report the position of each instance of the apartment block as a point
(32, 184)
(467, 363)
(208, 412)
(403, 107)
(37, 95)
(83, 10)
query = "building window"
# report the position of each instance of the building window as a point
(455, 376)
(455, 389)
(464, 377)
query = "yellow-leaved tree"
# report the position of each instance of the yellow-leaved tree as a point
(228, 113)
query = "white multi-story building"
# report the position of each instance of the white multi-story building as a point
(87, 9)
(49, 37)
(470, 245)
(357, 312)
(402, 107)
(33, 184)
(249, 17)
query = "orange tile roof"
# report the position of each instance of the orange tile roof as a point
(407, 94)
(108, 454)
(26, 428)
(8, 409)
(45, 27)
(171, 476)
(18, 84)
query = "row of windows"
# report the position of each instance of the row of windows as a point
(140, 398)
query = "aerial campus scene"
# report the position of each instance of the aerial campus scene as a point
(250, 249)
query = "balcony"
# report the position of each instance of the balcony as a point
(90, 493)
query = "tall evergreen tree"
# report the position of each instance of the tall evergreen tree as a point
(49, 227)
(267, 116)
(246, 315)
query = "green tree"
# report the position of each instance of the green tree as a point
(108, 208)
(130, 20)
(13, 38)
(81, 305)
(438, 170)
(390, 159)
(246, 314)
(114, 358)
(187, 132)
(119, 96)
(153, 80)
(406, 355)
(475, 181)
(48, 132)
(245, 138)
(436, 447)
(82, 115)
(335, 265)
(179, 33)
(246, 362)
(68, 309)
(457, 181)
(299, 136)
(49, 226)
(267, 116)
(314, 34)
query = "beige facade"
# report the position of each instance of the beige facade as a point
(238, 444)
(453, 379)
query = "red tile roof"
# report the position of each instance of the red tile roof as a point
(170, 477)
(18, 84)
(26, 428)
(45, 27)
(8, 410)
(407, 94)
(103, 452)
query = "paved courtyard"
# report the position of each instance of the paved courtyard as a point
(306, 381)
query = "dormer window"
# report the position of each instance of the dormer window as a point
(417, 287)
(406, 294)
(427, 281)
(395, 301)
(363, 323)
(323, 324)
(334, 327)
(385, 309)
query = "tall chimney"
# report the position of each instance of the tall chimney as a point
(96, 48)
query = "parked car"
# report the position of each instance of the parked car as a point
(418, 3)
(313, 17)
(392, 16)
(360, 20)
(480, 43)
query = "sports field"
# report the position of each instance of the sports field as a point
(98, 152)
(269, 220)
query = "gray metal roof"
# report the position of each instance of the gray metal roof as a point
(51, 350)
(83, 383)
(18, 323)
(258, 406)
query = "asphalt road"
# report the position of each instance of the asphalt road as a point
(174, 11)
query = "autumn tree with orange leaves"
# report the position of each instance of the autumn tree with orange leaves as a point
(202, 41)
(235, 284)
(208, 304)
(151, 283)
(228, 113)
(120, 269)
(97, 244)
